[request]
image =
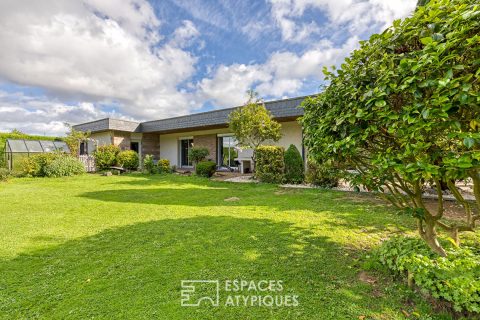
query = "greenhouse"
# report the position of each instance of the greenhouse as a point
(15, 150)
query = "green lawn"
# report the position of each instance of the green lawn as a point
(118, 247)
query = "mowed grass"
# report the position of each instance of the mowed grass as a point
(118, 248)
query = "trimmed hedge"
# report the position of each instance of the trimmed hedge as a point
(106, 156)
(294, 168)
(269, 164)
(205, 168)
(128, 159)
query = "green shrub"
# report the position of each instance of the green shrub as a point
(128, 159)
(321, 175)
(294, 168)
(163, 166)
(205, 168)
(269, 164)
(4, 174)
(106, 156)
(35, 165)
(29, 167)
(455, 278)
(148, 164)
(64, 166)
(198, 154)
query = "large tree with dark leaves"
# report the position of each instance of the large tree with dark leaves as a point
(403, 111)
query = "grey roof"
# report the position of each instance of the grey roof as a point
(109, 124)
(280, 109)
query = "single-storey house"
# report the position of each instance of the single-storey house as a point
(173, 137)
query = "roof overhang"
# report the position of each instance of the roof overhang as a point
(281, 110)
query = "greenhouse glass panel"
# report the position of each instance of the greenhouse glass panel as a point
(16, 161)
(48, 146)
(33, 146)
(17, 145)
(61, 146)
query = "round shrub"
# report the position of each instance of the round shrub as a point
(205, 168)
(294, 168)
(64, 166)
(128, 159)
(106, 156)
(163, 166)
(269, 164)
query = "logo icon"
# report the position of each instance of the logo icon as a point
(194, 292)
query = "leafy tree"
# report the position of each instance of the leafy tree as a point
(294, 166)
(74, 138)
(403, 111)
(18, 132)
(421, 3)
(252, 124)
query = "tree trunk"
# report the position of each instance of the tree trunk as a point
(429, 234)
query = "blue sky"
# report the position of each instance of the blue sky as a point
(80, 60)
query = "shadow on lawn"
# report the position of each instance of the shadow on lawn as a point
(135, 272)
(185, 191)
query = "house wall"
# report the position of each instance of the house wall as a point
(151, 145)
(169, 143)
(208, 141)
(166, 146)
(122, 139)
(291, 134)
(101, 139)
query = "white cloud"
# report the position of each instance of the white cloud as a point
(185, 34)
(359, 16)
(282, 74)
(42, 115)
(112, 52)
(96, 50)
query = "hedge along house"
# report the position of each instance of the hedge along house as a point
(172, 138)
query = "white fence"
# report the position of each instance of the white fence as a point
(88, 161)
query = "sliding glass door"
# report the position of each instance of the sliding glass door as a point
(227, 152)
(185, 146)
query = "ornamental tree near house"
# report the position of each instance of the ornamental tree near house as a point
(403, 110)
(74, 138)
(198, 154)
(252, 124)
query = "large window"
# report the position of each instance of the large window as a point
(185, 146)
(227, 152)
